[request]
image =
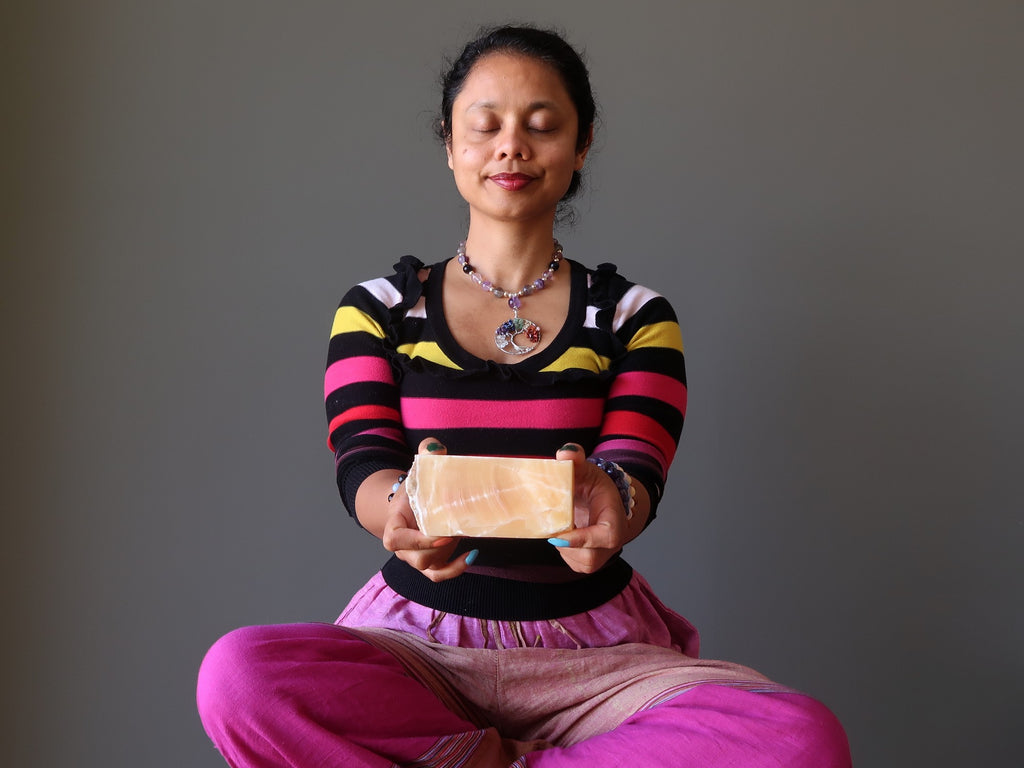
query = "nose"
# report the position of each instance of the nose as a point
(512, 143)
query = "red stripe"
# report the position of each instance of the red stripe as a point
(642, 427)
(360, 412)
(436, 413)
(352, 370)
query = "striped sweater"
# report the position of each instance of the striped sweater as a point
(611, 380)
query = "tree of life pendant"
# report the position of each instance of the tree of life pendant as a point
(506, 333)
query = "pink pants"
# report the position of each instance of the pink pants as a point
(323, 695)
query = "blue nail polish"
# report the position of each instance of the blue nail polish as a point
(558, 542)
(472, 556)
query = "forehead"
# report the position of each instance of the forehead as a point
(501, 78)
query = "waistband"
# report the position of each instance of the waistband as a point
(501, 599)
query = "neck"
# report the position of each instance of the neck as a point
(510, 256)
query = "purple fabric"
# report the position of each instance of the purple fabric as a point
(713, 726)
(609, 688)
(635, 616)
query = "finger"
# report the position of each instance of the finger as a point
(401, 533)
(454, 568)
(436, 559)
(412, 540)
(601, 535)
(607, 531)
(586, 560)
(432, 445)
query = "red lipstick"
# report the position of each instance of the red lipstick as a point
(511, 181)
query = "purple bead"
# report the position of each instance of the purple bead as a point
(486, 285)
(538, 284)
(514, 302)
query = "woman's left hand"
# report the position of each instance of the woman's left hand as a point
(602, 525)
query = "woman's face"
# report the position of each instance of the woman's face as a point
(514, 139)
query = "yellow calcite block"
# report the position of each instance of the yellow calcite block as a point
(490, 496)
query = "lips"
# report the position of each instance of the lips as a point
(511, 181)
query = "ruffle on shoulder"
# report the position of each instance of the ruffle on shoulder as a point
(407, 281)
(607, 287)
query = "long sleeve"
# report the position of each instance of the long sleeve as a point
(360, 393)
(646, 404)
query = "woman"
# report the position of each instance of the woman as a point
(490, 652)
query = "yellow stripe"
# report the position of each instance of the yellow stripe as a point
(664, 334)
(428, 350)
(580, 357)
(349, 319)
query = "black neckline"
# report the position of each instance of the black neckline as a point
(434, 288)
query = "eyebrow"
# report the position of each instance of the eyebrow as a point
(534, 107)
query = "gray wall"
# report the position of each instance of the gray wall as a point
(829, 192)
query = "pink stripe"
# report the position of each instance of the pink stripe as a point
(389, 432)
(606, 447)
(352, 370)
(660, 387)
(433, 413)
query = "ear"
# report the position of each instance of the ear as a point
(448, 149)
(581, 154)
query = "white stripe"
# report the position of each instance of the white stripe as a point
(383, 291)
(419, 309)
(631, 303)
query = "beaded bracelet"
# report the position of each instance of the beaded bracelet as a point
(622, 481)
(396, 486)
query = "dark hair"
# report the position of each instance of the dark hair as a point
(534, 43)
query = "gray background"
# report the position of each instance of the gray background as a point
(829, 192)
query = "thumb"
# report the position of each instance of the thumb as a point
(432, 445)
(571, 452)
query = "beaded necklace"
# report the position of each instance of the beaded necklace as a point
(506, 333)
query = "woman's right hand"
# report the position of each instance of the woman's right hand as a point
(427, 554)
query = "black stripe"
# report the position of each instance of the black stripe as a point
(488, 597)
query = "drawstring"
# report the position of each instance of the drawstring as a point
(485, 632)
(492, 631)
(436, 617)
(497, 637)
(517, 631)
(555, 623)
